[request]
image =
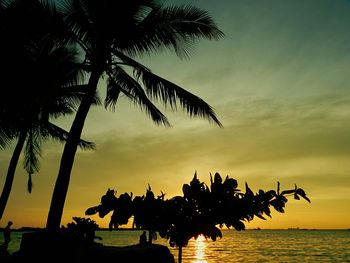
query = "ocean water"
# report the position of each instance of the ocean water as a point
(245, 246)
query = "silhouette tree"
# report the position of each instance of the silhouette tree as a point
(6, 133)
(122, 208)
(112, 34)
(83, 229)
(47, 70)
(148, 212)
(200, 211)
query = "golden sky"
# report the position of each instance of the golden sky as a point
(279, 82)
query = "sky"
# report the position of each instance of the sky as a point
(279, 82)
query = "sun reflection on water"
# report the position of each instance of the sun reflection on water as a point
(200, 250)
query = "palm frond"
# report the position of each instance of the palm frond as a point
(169, 93)
(68, 65)
(67, 100)
(175, 27)
(59, 62)
(120, 80)
(5, 4)
(112, 94)
(30, 183)
(51, 71)
(59, 134)
(6, 135)
(32, 152)
(78, 21)
(55, 22)
(75, 94)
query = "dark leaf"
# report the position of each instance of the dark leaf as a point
(30, 183)
(285, 192)
(217, 178)
(302, 193)
(92, 210)
(239, 225)
(248, 191)
(296, 197)
(260, 216)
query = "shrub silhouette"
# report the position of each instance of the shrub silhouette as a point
(84, 229)
(202, 210)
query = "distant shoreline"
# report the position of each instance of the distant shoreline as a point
(26, 229)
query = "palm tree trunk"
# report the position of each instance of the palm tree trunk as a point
(67, 159)
(11, 172)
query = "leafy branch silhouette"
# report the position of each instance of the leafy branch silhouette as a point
(201, 210)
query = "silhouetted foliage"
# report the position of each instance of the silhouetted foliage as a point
(84, 229)
(202, 210)
(40, 77)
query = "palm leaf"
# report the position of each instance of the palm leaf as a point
(78, 20)
(6, 135)
(120, 80)
(30, 183)
(4, 4)
(61, 135)
(171, 27)
(112, 94)
(68, 100)
(169, 93)
(32, 152)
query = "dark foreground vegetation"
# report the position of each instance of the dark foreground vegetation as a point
(201, 210)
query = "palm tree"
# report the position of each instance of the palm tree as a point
(6, 134)
(112, 34)
(50, 71)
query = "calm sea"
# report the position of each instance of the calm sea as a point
(246, 246)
